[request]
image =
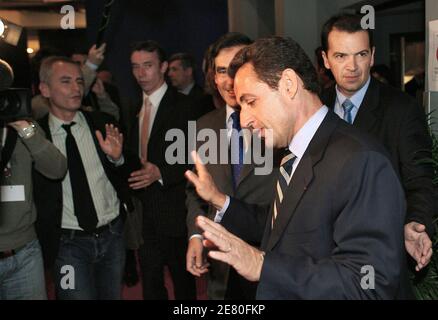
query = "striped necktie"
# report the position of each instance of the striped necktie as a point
(284, 179)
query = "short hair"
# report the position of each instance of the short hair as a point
(150, 46)
(321, 65)
(187, 60)
(271, 56)
(350, 23)
(228, 40)
(47, 65)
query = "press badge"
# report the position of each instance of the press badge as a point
(12, 193)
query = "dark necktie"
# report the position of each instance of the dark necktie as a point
(236, 147)
(284, 179)
(348, 107)
(82, 199)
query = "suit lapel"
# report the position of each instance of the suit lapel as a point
(301, 180)
(367, 116)
(163, 112)
(224, 175)
(93, 126)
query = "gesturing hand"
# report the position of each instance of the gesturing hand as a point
(195, 263)
(112, 145)
(418, 244)
(144, 177)
(204, 184)
(247, 260)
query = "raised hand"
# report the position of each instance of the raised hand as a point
(112, 145)
(204, 184)
(247, 260)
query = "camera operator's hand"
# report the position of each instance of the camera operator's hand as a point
(96, 55)
(19, 125)
(24, 128)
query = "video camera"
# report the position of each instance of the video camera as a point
(15, 104)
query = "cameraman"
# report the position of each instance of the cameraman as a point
(21, 265)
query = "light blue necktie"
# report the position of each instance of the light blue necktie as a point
(348, 107)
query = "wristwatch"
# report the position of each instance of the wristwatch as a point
(27, 132)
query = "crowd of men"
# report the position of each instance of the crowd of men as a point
(348, 187)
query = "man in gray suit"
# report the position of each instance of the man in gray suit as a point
(230, 179)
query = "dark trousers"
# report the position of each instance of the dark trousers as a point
(159, 251)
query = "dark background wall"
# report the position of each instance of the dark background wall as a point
(189, 25)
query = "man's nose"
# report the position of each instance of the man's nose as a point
(352, 63)
(76, 86)
(141, 72)
(245, 117)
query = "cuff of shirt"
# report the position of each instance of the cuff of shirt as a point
(220, 213)
(117, 163)
(196, 236)
(91, 65)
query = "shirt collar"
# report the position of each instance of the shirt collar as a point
(157, 95)
(55, 124)
(187, 89)
(302, 138)
(357, 98)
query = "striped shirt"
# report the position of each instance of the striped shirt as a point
(103, 193)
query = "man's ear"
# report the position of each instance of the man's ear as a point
(45, 90)
(288, 84)
(164, 67)
(326, 62)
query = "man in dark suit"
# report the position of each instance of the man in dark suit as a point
(80, 217)
(159, 185)
(336, 225)
(182, 76)
(242, 184)
(390, 116)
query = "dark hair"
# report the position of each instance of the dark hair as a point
(321, 65)
(271, 56)
(228, 40)
(150, 46)
(187, 60)
(350, 23)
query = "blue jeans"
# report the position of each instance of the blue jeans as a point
(22, 275)
(91, 267)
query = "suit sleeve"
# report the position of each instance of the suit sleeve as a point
(247, 221)
(195, 207)
(416, 174)
(368, 215)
